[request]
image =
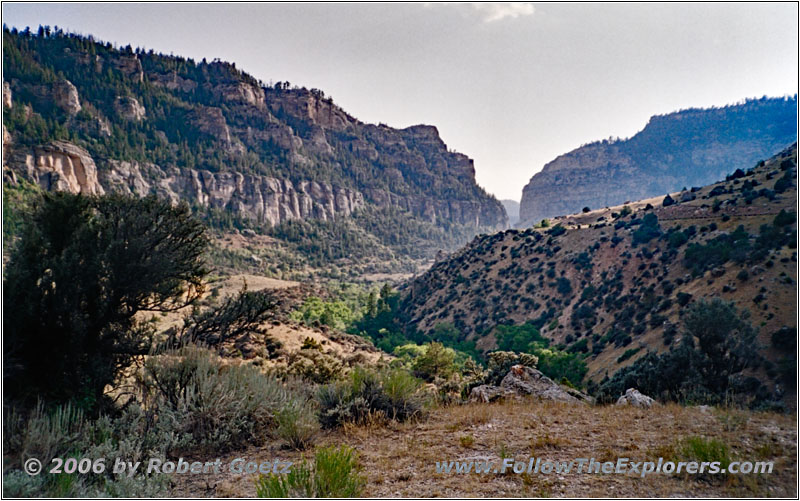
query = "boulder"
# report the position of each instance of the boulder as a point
(524, 380)
(486, 393)
(636, 399)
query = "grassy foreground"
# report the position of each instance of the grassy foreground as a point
(398, 459)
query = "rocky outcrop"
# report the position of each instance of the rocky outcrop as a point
(633, 398)
(687, 148)
(262, 137)
(487, 393)
(466, 212)
(59, 166)
(65, 96)
(261, 198)
(241, 92)
(64, 166)
(310, 106)
(525, 380)
(130, 66)
(211, 121)
(172, 81)
(7, 95)
(129, 108)
(522, 381)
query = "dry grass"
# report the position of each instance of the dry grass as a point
(399, 459)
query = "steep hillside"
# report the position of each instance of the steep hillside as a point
(87, 117)
(688, 148)
(610, 284)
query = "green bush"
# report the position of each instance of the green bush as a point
(717, 346)
(557, 364)
(785, 338)
(335, 474)
(367, 394)
(46, 433)
(628, 354)
(297, 423)
(210, 406)
(315, 311)
(647, 230)
(436, 362)
(709, 450)
(784, 218)
(563, 286)
(314, 366)
(109, 262)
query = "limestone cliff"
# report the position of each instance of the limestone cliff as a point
(64, 166)
(58, 166)
(216, 137)
(692, 147)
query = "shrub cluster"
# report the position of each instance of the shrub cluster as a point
(366, 395)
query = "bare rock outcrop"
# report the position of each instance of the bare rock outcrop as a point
(211, 121)
(523, 381)
(7, 95)
(62, 166)
(130, 66)
(633, 398)
(262, 198)
(486, 393)
(241, 92)
(307, 105)
(172, 81)
(65, 96)
(129, 108)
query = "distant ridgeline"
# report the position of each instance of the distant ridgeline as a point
(692, 147)
(88, 117)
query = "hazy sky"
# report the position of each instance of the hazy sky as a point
(511, 85)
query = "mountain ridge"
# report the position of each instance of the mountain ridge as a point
(77, 111)
(609, 284)
(691, 147)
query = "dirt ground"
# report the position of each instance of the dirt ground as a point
(399, 460)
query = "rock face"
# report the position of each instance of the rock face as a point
(129, 108)
(211, 121)
(61, 166)
(525, 380)
(65, 96)
(636, 399)
(261, 198)
(486, 393)
(216, 137)
(241, 92)
(172, 81)
(130, 66)
(522, 380)
(7, 95)
(687, 148)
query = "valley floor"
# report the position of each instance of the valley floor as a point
(399, 460)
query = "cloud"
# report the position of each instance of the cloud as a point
(489, 11)
(492, 12)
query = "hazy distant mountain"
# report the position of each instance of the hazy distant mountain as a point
(688, 148)
(512, 209)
